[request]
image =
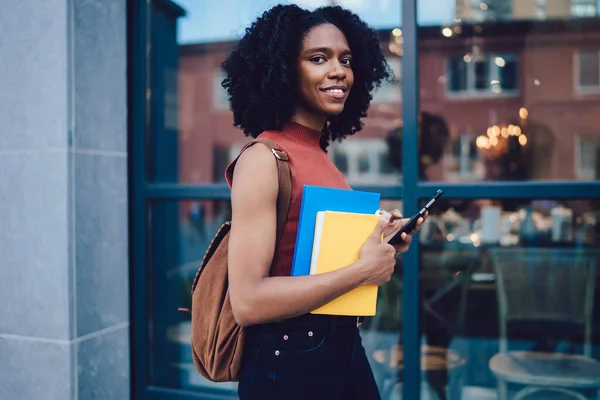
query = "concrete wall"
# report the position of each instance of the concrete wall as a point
(64, 324)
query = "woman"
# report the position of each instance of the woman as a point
(301, 79)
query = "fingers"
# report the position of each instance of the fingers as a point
(406, 241)
(420, 222)
(391, 250)
(396, 214)
(418, 226)
(379, 229)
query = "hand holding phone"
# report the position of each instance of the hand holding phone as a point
(410, 226)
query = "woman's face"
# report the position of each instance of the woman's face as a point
(325, 71)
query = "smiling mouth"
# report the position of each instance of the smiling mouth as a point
(336, 93)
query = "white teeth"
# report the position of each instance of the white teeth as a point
(334, 91)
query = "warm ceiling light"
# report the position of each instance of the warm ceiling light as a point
(523, 113)
(482, 142)
(523, 140)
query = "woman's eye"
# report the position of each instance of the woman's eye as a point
(347, 61)
(317, 59)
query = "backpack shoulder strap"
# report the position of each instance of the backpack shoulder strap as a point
(284, 196)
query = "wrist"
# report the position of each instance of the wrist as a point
(360, 273)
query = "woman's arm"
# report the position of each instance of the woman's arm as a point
(256, 297)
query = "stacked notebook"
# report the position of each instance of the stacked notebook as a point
(333, 226)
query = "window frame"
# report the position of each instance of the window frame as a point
(395, 89)
(461, 175)
(373, 148)
(582, 141)
(578, 88)
(494, 75)
(220, 101)
(577, 6)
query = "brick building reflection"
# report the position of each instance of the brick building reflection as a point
(516, 100)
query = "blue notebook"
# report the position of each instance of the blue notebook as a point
(315, 199)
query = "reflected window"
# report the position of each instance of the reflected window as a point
(364, 161)
(472, 74)
(540, 9)
(390, 92)
(462, 161)
(509, 83)
(588, 63)
(583, 8)
(340, 159)
(588, 158)
(221, 159)
(482, 10)
(220, 101)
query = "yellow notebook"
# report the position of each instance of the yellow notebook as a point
(338, 239)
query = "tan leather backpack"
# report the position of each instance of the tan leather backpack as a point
(217, 339)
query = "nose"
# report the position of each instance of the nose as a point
(337, 71)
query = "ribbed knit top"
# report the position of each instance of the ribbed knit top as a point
(309, 165)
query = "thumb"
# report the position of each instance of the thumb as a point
(377, 234)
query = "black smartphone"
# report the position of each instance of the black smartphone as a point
(412, 223)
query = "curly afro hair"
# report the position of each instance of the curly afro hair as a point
(261, 73)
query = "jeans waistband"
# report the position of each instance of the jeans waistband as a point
(316, 320)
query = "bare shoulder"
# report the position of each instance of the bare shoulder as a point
(254, 210)
(255, 175)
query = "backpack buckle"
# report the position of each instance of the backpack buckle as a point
(280, 155)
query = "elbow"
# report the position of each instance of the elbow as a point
(243, 313)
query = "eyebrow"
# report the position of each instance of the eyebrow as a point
(326, 50)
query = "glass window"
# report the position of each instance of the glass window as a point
(180, 232)
(221, 102)
(589, 70)
(365, 161)
(391, 92)
(588, 158)
(191, 140)
(458, 74)
(482, 74)
(196, 107)
(584, 8)
(462, 161)
(527, 266)
(507, 80)
(507, 72)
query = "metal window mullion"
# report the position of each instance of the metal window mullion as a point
(138, 75)
(410, 108)
(540, 190)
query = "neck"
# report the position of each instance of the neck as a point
(312, 121)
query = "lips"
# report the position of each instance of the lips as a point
(336, 92)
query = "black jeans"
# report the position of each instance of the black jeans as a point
(313, 357)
